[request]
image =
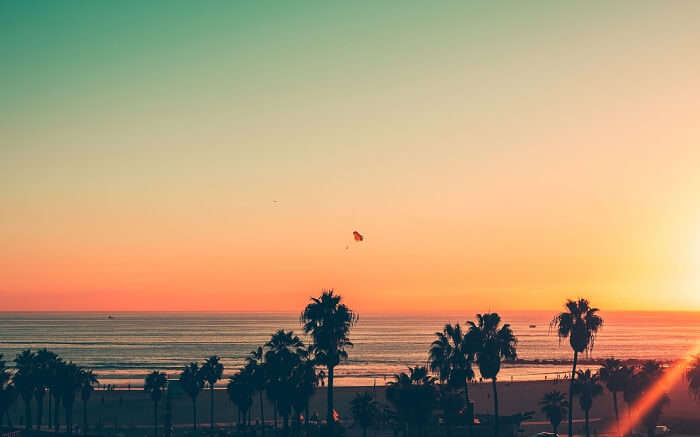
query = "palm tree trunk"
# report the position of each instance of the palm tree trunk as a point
(155, 418)
(617, 414)
(330, 418)
(469, 408)
(56, 419)
(588, 432)
(571, 396)
(85, 426)
(194, 414)
(28, 413)
(49, 421)
(262, 413)
(211, 405)
(39, 410)
(69, 418)
(495, 408)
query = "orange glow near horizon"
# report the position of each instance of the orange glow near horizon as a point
(669, 378)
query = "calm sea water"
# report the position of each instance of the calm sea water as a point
(123, 349)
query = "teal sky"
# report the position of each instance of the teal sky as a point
(147, 140)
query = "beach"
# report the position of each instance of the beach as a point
(133, 410)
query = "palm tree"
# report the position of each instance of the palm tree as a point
(306, 379)
(154, 384)
(413, 395)
(192, 383)
(43, 367)
(580, 323)
(240, 390)
(452, 405)
(554, 406)
(282, 357)
(55, 389)
(364, 410)
(329, 323)
(451, 358)
(255, 361)
(88, 380)
(212, 370)
(651, 418)
(69, 384)
(615, 374)
(587, 387)
(692, 375)
(24, 381)
(492, 343)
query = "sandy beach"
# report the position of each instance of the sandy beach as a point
(134, 409)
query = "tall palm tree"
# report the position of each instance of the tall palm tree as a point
(69, 384)
(24, 381)
(307, 379)
(154, 384)
(451, 358)
(492, 343)
(615, 375)
(365, 410)
(580, 323)
(256, 362)
(7, 391)
(282, 357)
(414, 396)
(554, 407)
(55, 389)
(240, 391)
(693, 376)
(42, 365)
(88, 380)
(587, 387)
(329, 323)
(192, 382)
(212, 370)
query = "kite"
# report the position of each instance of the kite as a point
(358, 236)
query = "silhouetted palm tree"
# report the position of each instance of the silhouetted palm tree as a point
(192, 383)
(693, 376)
(587, 387)
(452, 405)
(651, 418)
(580, 323)
(69, 384)
(54, 391)
(414, 397)
(451, 358)
(43, 362)
(24, 381)
(364, 410)
(491, 343)
(282, 357)
(88, 380)
(154, 384)
(212, 370)
(329, 323)
(240, 391)
(306, 378)
(256, 362)
(554, 407)
(615, 375)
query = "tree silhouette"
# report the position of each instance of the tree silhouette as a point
(587, 387)
(491, 343)
(69, 376)
(452, 404)
(554, 407)
(256, 362)
(24, 381)
(615, 375)
(88, 380)
(192, 383)
(306, 379)
(692, 375)
(329, 323)
(282, 356)
(451, 358)
(413, 395)
(153, 384)
(240, 391)
(580, 323)
(43, 363)
(364, 410)
(211, 371)
(7, 392)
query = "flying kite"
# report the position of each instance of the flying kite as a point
(357, 236)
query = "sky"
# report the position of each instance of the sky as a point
(218, 155)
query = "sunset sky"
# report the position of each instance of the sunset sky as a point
(218, 156)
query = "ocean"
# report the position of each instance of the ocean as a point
(123, 348)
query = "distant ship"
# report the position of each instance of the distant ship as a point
(110, 317)
(533, 326)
